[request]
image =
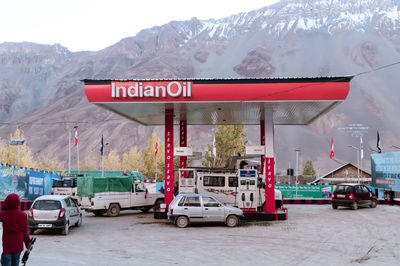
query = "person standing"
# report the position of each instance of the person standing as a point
(15, 230)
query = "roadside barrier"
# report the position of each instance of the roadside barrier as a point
(25, 205)
(327, 201)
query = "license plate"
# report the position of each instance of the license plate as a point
(45, 225)
(341, 196)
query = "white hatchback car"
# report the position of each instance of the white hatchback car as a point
(187, 208)
(54, 212)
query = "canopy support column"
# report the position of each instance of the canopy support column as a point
(269, 168)
(262, 142)
(183, 143)
(169, 155)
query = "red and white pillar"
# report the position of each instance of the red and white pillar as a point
(183, 143)
(169, 155)
(269, 162)
(262, 142)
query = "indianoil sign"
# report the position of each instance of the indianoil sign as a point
(204, 91)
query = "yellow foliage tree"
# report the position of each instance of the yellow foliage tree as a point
(132, 160)
(153, 165)
(92, 162)
(112, 162)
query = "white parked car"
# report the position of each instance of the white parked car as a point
(54, 212)
(188, 208)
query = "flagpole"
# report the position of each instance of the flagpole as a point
(102, 164)
(77, 150)
(69, 152)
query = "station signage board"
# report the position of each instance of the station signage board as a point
(386, 170)
(255, 150)
(183, 151)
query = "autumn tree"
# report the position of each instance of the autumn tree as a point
(112, 162)
(92, 162)
(229, 141)
(132, 160)
(309, 170)
(154, 163)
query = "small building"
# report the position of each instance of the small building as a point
(347, 173)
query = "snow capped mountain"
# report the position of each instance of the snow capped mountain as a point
(291, 38)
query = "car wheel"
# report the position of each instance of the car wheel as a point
(373, 204)
(79, 222)
(354, 206)
(113, 210)
(31, 231)
(66, 229)
(334, 206)
(232, 221)
(158, 203)
(182, 221)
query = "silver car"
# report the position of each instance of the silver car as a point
(186, 208)
(54, 212)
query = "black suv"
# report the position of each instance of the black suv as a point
(353, 195)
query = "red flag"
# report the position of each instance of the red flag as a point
(76, 135)
(332, 153)
(156, 147)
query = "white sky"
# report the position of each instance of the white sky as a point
(95, 24)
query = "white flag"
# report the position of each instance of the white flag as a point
(361, 148)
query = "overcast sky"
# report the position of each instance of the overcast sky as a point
(95, 24)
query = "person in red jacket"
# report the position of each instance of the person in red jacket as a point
(15, 231)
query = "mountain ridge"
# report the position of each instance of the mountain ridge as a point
(42, 82)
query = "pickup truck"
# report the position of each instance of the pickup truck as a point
(110, 195)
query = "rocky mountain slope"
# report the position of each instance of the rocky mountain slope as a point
(41, 91)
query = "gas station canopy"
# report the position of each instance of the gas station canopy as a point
(294, 101)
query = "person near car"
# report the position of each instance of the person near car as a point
(15, 230)
(176, 188)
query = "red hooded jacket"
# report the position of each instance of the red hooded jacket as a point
(15, 225)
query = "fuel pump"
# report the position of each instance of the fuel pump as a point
(248, 196)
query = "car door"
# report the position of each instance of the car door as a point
(139, 195)
(360, 195)
(192, 208)
(68, 211)
(367, 195)
(213, 210)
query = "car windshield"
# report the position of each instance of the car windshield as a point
(47, 205)
(343, 189)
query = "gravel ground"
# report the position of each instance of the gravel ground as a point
(313, 235)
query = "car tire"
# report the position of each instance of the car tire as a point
(113, 210)
(373, 204)
(182, 221)
(79, 222)
(31, 231)
(158, 203)
(65, 230)
(232, 221)
(334, 206)
(354, 206)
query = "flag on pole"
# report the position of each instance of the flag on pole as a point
(332, 153)
(378, 142)
(156, 147)
(76, 135)
(361, 148)
(101, 145)
(214, 147)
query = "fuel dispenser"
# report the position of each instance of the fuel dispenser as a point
(248, 196)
